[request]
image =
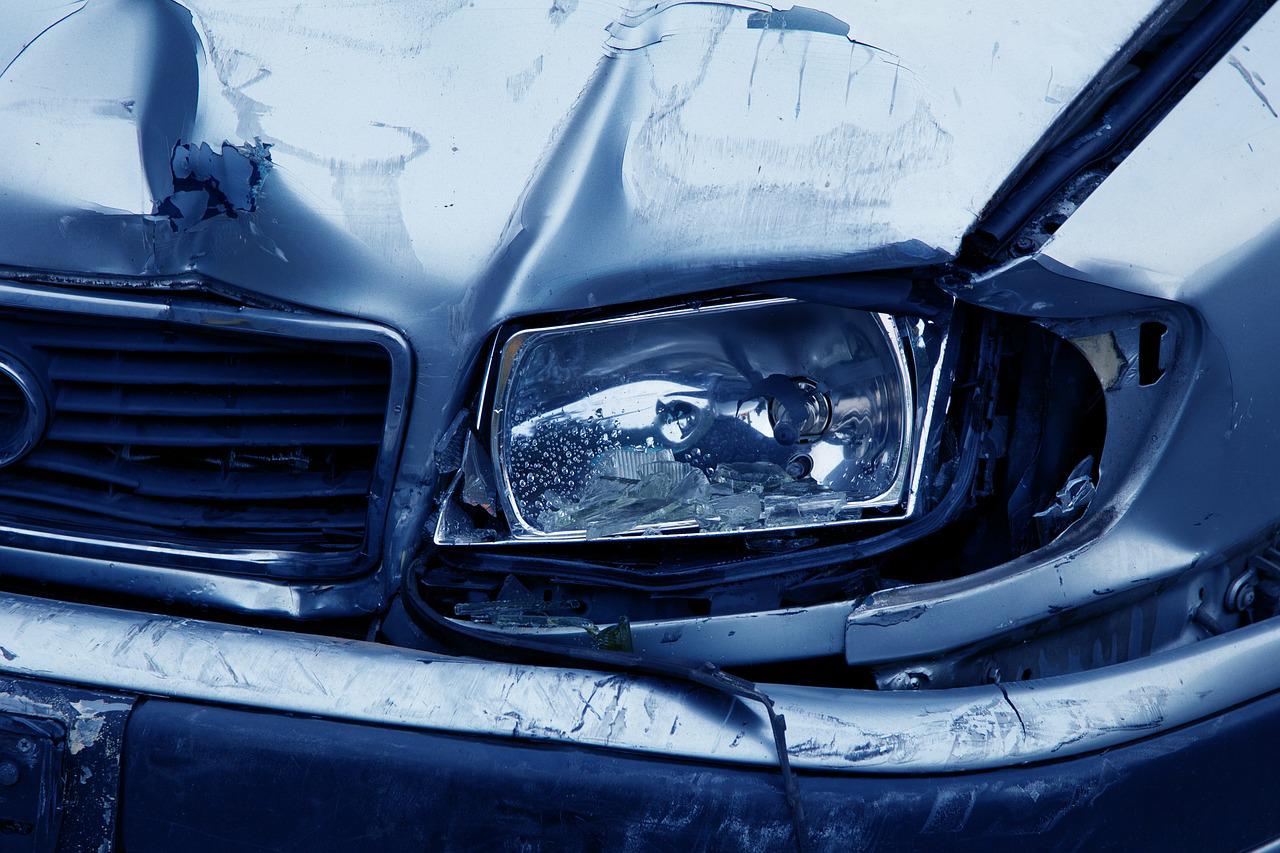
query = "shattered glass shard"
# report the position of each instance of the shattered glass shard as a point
(478, 488)
(802, 509)
(736, 511)
(516, 607)
(644, 489)
(628, 489)
(751, 476)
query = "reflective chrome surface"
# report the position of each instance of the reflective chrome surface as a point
(699, 395)
(119, 563)
(24, 408)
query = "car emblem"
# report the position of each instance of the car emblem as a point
(24, 409)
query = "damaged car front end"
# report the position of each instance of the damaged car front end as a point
(702, 424)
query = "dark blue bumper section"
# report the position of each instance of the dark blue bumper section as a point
(201, 778)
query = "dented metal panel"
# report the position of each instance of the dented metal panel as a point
(831, 729)
(1188, 219)
(443, 167)
(700, 134)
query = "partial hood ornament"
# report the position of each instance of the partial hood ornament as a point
(24, 409)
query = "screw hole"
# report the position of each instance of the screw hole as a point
(1150, 339)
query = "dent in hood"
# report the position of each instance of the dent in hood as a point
(545, 152)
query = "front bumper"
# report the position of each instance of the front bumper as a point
(241, 738)
(202, 778)
(828, 729)
(234, 738)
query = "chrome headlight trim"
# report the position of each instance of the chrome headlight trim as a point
(920, 350)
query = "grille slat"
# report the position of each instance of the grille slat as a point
(253, 369)
(214, 481)
(53, 335)
(202, 436)
(240, 403)
(211, 432)
(180, 515)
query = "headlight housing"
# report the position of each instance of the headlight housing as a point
(759, 415)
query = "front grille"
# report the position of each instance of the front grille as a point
(216, 444)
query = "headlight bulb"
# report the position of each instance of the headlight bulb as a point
(800, 413)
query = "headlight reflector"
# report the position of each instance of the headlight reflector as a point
(748, 416)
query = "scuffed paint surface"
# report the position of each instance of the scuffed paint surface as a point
(91, 716)
(842, 730)
(95, 724)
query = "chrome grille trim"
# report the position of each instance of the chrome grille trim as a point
(64, 548)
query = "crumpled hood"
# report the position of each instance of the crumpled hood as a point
(443, 165)
(551, 145)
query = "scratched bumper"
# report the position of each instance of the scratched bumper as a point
(196, 778)
(336, 740)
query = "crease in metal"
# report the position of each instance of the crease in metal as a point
(835, 730)
(74, 7)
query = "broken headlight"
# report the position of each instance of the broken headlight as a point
(735, 417)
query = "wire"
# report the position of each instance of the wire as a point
(705, 674)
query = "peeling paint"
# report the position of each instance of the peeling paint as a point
(1105, 356)
(799, 18)
(1254, 82)
(90, 718)
(209, 183)
(896, 617)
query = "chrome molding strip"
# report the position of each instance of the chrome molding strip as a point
(861, 731)
(259, 596)
(133, 569)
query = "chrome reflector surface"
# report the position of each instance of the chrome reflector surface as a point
(735, 417)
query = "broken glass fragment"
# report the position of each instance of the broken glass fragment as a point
(478, 488)
(516, 606)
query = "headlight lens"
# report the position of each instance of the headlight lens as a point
(751, 416)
